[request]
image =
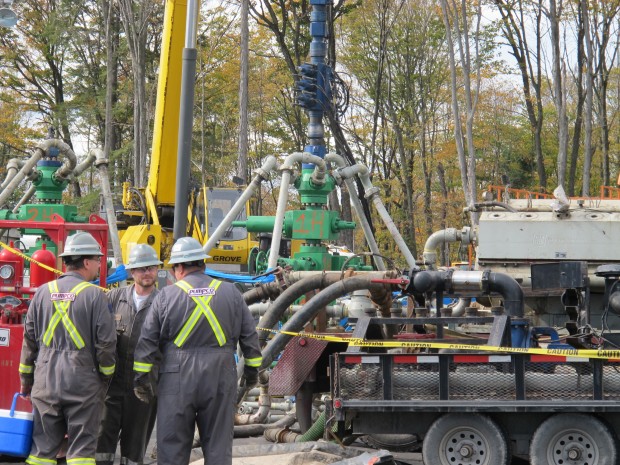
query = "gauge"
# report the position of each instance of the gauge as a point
(6, 271)
(10, 301)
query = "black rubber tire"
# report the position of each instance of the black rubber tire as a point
(465, 439)
(585, 436)
(394, 442)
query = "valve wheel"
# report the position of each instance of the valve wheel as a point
(262, 259)
(465, 439)
(573, 439)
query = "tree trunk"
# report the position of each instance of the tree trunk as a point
(581, 59)
(135, 18)
(559, 91)
(587, 148)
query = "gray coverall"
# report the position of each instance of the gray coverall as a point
(123, 412)
(69, 349)
(196, 323)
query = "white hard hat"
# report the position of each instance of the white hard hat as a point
(185, 250)
(81, 244)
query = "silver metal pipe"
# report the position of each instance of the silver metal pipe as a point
(287, 172)
(357, 206)
(102, 166)
(261, 174)
(444, 236)
(264, 402)
(69, 163)
(285, 406)
(12, 168)
(27, 195)
(276, 236)
(191, 24)
(91, 156)
(333, 311)
(467, 281)
(372, 194)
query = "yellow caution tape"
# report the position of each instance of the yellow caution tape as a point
(604, 354)
(19, 253)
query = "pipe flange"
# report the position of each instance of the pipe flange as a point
(448, 280)
(466, 236)
(284, 168)
(484, 281)
(372, 192)
(338, 179)
(262, 173)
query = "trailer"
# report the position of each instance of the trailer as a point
(512, 389)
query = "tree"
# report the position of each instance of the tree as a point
(34, 58)
(135, 17)
(516, 17)
(457, 18)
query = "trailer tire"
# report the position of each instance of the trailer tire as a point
(588, 439)
(465, 438)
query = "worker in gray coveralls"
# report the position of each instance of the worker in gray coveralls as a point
(68, 357)
(196, 323)
(124, 416)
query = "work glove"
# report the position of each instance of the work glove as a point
(251, 377)
(144, 393)
(25, 390)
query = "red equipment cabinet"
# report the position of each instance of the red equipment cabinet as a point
(15, 297)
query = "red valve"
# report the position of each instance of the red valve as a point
(400, 282)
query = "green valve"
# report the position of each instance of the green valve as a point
(47, 187)
(309, 193)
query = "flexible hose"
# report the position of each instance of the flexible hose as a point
(315, 433)
(246, 431)
(313, 306)
(284, 301)
(290, 295)
(464, 281)
(269, 291)
(316, 430)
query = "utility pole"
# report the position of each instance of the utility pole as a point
(186, 121)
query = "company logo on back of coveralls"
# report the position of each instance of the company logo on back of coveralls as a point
(201, 291)
(63, 296)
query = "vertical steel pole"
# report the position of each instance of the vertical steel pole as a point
(186, 121)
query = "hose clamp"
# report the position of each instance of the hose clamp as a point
(484, 281)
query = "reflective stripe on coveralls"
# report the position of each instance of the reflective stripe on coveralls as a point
(33, 460)
(254, 362)
(202, 307)
(81, 461)
(62, 306)
(28, 369)
(142, 367)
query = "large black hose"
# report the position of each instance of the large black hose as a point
(474, 281)
(311, 308)
(289, 296)
(511, 291)
(269, 291)
(284, 301)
